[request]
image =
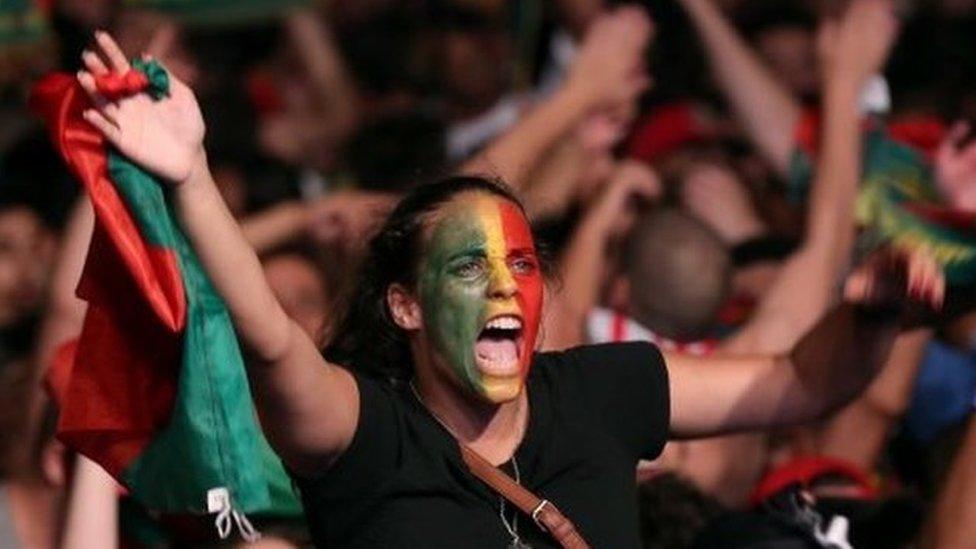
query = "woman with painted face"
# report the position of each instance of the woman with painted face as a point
(434, 359)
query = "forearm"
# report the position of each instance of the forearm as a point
(741, 390)
(513, 156)
(765, 108)
(92, 514)
(830, 218)
(837, 359)
(314, 43)
(552, 185)
(65, 311)
(232, 265)
(809, 280)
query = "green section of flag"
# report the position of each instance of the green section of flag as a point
(213, 438)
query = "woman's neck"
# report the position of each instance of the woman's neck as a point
(492, 430)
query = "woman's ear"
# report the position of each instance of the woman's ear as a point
(404, 308)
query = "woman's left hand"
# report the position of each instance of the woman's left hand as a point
(897, 276)
(164, 136)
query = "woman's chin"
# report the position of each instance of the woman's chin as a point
(501, 389)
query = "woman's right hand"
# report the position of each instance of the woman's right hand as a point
(164, 136)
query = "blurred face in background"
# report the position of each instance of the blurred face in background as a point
(27, 249)
(87, 13)
(139, 31)
(300, 288)
(790, 51)
(475, 68)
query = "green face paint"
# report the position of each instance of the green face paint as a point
(480, 271)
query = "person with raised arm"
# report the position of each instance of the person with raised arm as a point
(403, 431)
(606, 76)
(766, 109)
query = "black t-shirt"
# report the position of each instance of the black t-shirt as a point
(593, 413)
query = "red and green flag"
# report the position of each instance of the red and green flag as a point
(157, 393)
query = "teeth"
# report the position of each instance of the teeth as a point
(505, 323)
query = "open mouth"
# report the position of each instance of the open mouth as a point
(498, 346)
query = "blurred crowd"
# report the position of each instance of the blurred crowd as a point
(668, 213)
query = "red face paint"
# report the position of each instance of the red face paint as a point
(519, 244)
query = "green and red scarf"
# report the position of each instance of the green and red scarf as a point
(898, 202)
(157, 393)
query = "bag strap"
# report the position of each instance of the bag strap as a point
(542, 511)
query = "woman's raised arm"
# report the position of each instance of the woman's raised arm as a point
(309, 408)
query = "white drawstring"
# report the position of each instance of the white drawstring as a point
(245, 528)
(218, 501)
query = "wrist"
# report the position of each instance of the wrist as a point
(197, 178)
(843, 91)
(845, 79)
(199, 173)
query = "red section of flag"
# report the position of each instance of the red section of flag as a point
(121, 387)
(59, 100)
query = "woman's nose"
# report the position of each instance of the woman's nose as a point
(501, 284)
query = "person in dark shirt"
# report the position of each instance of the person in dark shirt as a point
(437, 347)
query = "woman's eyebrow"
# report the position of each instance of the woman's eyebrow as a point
(476, 250)
(527, 250)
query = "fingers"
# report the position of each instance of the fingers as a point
(926, 282)
(116, 59)
(108, 109)
(93, 63)
(858, 287)
(108, 129)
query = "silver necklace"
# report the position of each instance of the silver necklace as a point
(510, 527)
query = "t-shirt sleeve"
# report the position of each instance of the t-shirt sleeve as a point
(625, 385)
(373, 453)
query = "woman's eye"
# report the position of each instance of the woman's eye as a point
(523, 266)
(470, 269)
